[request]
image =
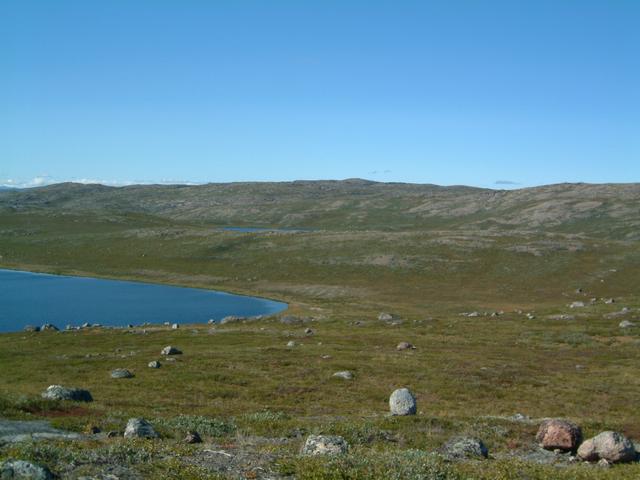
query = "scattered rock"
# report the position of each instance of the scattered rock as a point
(576, 305)
(58, 392)
(405, 346)
(609, 300)
(193, 437)
(308, 331)
(31, 328)
(620, 313)
(92, 429)
(344, 374)
(121, 373)
(49, 327)
(626, 324)
(402, 402)
(611, 446)
(602, 463)
(21, 470)
(324, 445)
(291, 344)
(139, 428)
(559, 434)
(386, 317)
(461, 448)
(155, 364)
(169, 350)
(563, 316)
(175, 326)
(231, 319)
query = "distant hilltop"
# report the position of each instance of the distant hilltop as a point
(608, 210)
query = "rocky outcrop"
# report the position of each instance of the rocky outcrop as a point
(21, 470)
(58, 392)
(324, 445)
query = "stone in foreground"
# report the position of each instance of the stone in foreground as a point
(21, 470)
(139, 428)
(344, 374)
(169, 350)
(121, 373)
(324, 445)
(610, 446)
(405, 346)
(559, 434)
(402, 402)
(461, 448)
(58, 392)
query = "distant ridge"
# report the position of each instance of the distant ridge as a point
(610, 210)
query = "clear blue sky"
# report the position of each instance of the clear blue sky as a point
(448, 92)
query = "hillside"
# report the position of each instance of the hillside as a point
(606, 210)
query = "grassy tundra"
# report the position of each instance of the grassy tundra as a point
(423, 253)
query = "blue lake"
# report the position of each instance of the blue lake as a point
(34, 299)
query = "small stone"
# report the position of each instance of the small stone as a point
(155, 364)
(49, 327)
(175, 326)
(609, 300)
(345, 375)
(121, 373)
(626, 324)
(405, 346)
(58, 392)
(31, 328)
(308, 331)
(169, 350)
(603, 463)
(324, 445)
(385, 317)
(21, 470)
(193, 437)
(576, 305)
(461, 448)
(139, 428)
(291, 344)
(559, 434)
(611, 446)
(402, 402)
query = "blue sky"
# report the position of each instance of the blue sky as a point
(448, 92)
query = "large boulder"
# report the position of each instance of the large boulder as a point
(324, 445)
(559, 434)
(402, 402)
(610, 446)
(21, 470)
(58, 392)
(169, 350)
(139, 428)
(461, 448)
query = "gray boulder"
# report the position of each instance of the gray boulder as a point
(155, 364)
(121, 373)
(31, 328)
(139, 428)
(405, 346)
(402, 402)
(21, 470)
(610, 446)
(626, 324)
(58, 392)
(49, 327)
(344, 374)
(461, 448)
(324, 445)
(386, 317)
(169, 350)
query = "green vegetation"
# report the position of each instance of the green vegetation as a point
(242, 389)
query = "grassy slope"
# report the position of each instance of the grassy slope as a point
(464, 372)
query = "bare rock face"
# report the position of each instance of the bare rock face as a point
(402, 402)
(58, 392)
(324, 445)
(169, 350)
(610, 446)
(21, 470)
(139, 428)
(559, 434)
(405, 346)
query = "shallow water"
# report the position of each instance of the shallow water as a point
(34, 299)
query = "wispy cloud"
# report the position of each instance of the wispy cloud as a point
(506, 182)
